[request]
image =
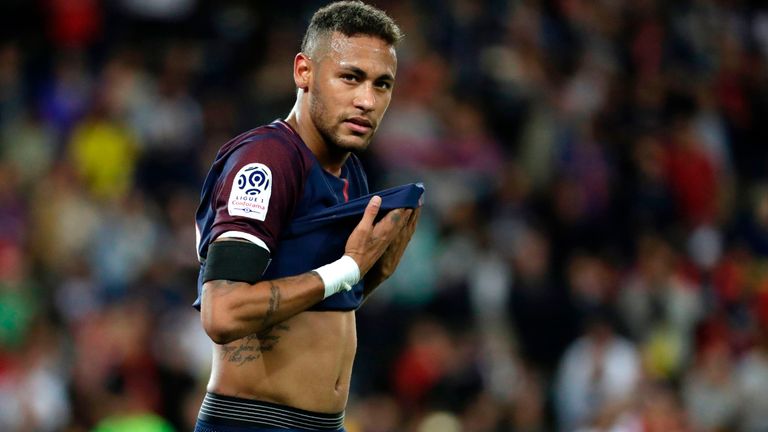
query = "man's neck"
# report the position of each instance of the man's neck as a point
(330, 160)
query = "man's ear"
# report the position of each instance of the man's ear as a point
(302, 71)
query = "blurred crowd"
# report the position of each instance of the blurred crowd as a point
(592, 256)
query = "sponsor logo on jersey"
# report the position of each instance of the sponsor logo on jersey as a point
(251, 190)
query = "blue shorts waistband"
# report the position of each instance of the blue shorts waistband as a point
(232, 411)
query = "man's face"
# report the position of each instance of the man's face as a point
(351, 88)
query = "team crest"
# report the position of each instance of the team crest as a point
(251, 190)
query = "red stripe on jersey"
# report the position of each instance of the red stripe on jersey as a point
(346, 190)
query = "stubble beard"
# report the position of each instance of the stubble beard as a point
(329, 129)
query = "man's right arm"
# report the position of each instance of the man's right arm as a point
(231, 310)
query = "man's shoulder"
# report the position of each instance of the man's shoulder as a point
(271, 135)
(274, 141)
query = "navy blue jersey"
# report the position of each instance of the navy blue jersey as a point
(263, 180)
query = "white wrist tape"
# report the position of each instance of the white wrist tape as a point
(339, 275)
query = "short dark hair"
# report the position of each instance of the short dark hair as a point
(350, 18)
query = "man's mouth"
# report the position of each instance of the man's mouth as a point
(359, 124)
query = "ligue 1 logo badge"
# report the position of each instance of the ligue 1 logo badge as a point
(251, 190)
(255, 178)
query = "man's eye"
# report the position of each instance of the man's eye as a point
(384, 85)
(349, 77)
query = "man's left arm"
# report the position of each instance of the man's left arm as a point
(386, 265)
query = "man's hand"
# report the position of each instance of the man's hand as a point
(369, 241)
(386, 265)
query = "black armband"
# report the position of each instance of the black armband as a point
(236, 261)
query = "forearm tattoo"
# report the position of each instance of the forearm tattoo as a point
(274, 303)
(251, 347)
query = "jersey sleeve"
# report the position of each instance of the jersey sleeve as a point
(257, 192)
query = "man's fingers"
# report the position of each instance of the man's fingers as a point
(406, 219)
(410, 225)
(414, 218)
(397, 223)
(399, 218)
(371, 210)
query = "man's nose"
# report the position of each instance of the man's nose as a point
(365, 97)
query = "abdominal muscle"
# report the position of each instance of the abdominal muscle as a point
(304, 362)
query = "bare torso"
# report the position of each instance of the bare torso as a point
(304, 362)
